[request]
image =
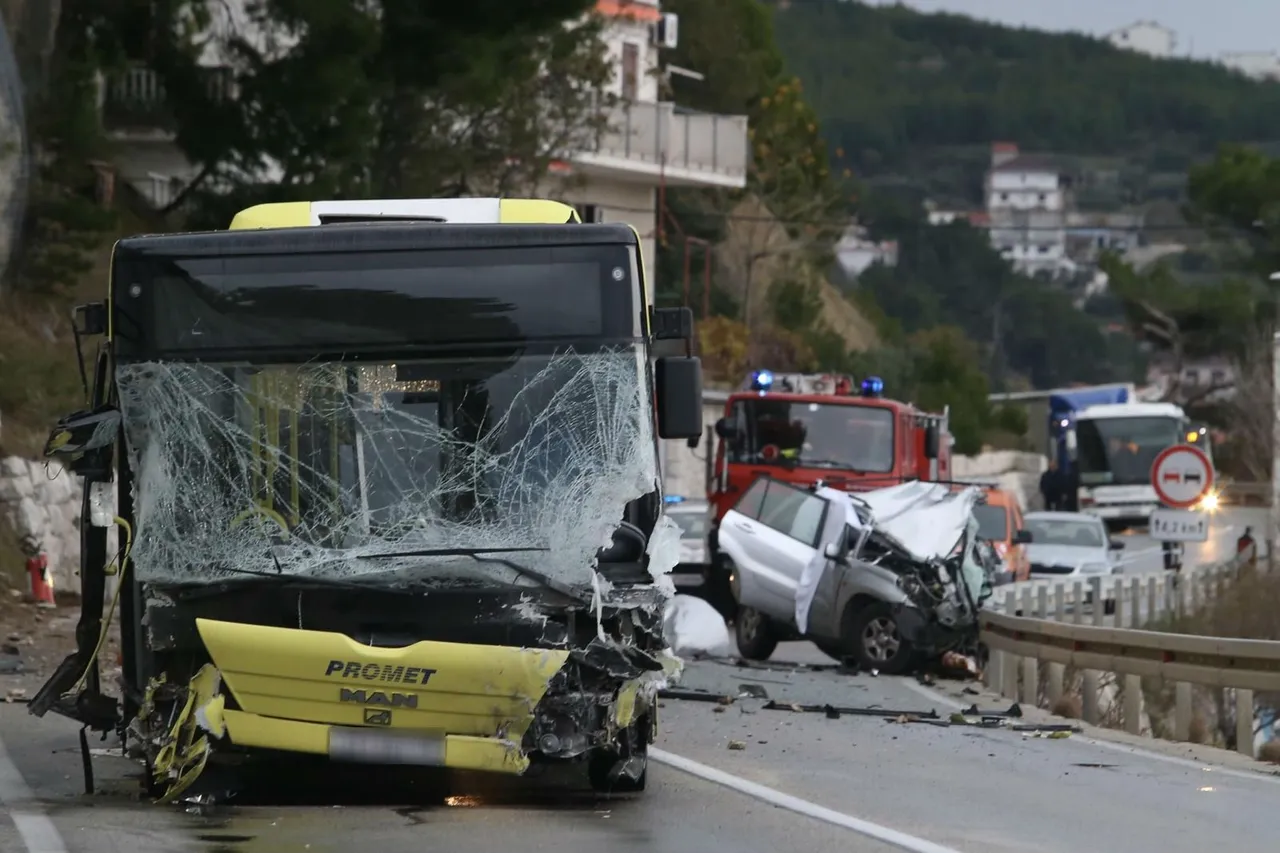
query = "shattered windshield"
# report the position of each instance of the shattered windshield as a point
(843, 436)
(1121, 451)
(304, 469)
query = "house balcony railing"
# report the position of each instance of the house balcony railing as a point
(663, 136)
(134, 99)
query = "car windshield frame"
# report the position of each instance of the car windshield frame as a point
(842, 434)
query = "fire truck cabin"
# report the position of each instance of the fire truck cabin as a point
(805, 428)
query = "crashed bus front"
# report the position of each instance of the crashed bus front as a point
(364, 474)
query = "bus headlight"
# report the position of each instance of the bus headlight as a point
(1209, 503)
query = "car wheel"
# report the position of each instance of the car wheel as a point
(600, 768)
(878, 644)
(755, 634)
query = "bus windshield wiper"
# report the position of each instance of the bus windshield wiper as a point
(475, 554)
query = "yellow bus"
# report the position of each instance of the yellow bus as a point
(362, 473)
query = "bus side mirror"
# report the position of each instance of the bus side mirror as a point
(931, 442)
(679, 392)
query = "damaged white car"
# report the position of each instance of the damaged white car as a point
(886, 577)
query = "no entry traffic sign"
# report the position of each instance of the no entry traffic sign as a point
(1181, 475)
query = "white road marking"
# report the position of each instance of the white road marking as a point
(786, 801)
(34, 827)
(1136, 751)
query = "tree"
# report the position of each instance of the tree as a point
(1184, 321)
(783, 227)
(345, 98)
(916, 99)
(936, 368)
(64, 219)
(951, 275)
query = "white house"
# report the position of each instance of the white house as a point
(1258, 64)
(856, 251)
(652, 143)
(1026, 199)
(1146, 37)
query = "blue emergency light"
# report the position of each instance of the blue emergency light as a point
(761, 380)
(673, 499)
(872, 386)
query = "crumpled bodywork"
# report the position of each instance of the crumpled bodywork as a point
(920, 536)
(455, 705)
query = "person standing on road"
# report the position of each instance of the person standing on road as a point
(1051, 487)
(1246, 545)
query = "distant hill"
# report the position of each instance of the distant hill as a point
(914, 100)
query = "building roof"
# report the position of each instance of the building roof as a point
(1029, 163)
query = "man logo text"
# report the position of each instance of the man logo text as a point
(378, 672)
(389, 700)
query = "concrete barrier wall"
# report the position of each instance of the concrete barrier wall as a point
(1014, 471)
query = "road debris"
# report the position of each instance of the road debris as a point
(737, 744)
(834, 712)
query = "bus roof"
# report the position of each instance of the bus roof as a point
(495, 211)
(1131, 410)
(374, 236)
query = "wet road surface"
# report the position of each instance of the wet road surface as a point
(818, 782)
(741, 779)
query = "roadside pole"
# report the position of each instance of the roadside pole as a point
(1273, 534)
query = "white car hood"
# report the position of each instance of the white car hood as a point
(926, 519)
(1068, 555)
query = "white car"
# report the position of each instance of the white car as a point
(884, 576)
(1071, 546)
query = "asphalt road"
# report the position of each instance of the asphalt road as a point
(742, 779)
(1142, 555)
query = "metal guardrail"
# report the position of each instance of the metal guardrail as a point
(1030, 628)
(1245, 494)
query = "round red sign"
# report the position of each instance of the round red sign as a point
(1181, 476)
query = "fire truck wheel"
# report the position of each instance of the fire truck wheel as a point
(876, 640)
(755, 634)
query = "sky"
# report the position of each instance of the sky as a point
(1205, 28)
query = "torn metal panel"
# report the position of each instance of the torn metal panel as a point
(175, 737)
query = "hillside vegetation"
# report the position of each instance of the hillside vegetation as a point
(915, 99)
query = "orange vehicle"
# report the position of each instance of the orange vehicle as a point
(1000, 521)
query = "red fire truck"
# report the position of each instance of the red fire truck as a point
(809, 427)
